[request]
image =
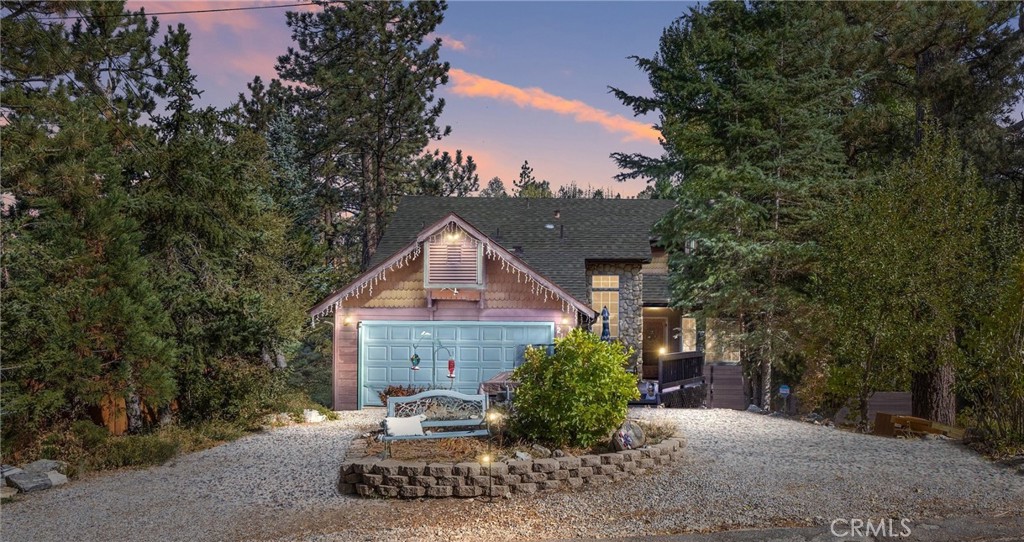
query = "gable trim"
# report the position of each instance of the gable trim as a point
(538, 284)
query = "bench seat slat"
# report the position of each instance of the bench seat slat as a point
(449, 434)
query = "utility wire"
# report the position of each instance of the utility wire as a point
(214, 10)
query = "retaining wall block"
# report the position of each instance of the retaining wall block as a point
(346, 489)
(551, 484)
(545, 465)
(647, 463)
(598, 479)
(630, 455)
(612, 459)
(466, 469)
(424, 481)
(387, 467)
(450, 481)
(498, 491)
(558, 475)
(352, 478)
(586, 472)
(412, 469)
(466, 491)
(480, 480)
(590, 460)
(619, 476)
(574, 482)
(507, 479)
(410, 492)
(364, 490)
(524, 488)
(534, 477)
(387, 491)
(569, 462)
(520, 467)
(364, 465)
(397, 481)
(439, 491)
(373, 479)
(439, 469)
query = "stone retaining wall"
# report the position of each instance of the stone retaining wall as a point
(375, 477)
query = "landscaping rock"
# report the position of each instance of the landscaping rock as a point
(312, 416)
(29, 481)
(56, 478)
(46, 465)
(755, 409)
(7, 470)
(558, 453)
(523, 456)
(628, 436)
(540, 451)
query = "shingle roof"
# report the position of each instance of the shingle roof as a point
(586, 229)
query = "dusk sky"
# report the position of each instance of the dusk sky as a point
(528, 80)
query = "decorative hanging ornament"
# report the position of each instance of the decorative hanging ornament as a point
(415, 359)
(451, 367)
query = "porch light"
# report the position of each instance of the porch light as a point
(661, 351)
(452, 237)
(348, 320)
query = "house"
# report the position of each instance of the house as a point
(473, 281)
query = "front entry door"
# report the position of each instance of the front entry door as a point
(655, 340)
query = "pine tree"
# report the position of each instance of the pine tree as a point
(367, 107)
(495, 189)
(439, 174)
(747, 96)
(528, 186)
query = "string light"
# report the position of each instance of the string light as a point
(449, 231)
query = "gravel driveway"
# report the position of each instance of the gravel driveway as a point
(741, 470)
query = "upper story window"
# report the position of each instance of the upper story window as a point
(604, 292)
(453, 261)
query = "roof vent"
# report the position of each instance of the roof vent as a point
(517, 249)
(558, 214)
(549, 226)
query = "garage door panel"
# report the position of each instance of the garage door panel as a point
(481, 351)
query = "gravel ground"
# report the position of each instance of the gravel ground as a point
(741, 470)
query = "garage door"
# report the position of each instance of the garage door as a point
(481, 350)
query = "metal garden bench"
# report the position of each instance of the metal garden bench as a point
(442, 413)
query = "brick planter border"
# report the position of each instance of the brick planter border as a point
(375, 477)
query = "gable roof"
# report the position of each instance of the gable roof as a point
(413, 249)
(585, 230)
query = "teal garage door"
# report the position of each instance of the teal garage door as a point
(480, 349)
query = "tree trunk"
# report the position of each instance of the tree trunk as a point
(932, 394)
(766, 383)
(133, 410)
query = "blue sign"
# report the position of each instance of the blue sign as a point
(784, 390)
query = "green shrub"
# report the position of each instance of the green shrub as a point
(575, 397)
(136, 451)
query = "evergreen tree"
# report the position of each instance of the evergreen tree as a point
(528, 186)
(495, 189)
(747, 96)
(82, 321)
(367, 108)
(441, 175)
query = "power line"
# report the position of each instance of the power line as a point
(214, 10)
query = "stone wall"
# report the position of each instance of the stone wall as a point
(631, 300)
(375, 477)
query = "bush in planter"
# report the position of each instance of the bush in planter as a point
(578, 395)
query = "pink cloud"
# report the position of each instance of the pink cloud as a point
(450, 42)
(476, 86)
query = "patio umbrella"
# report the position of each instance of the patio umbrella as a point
(606, 332)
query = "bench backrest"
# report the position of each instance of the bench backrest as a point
(442, 408)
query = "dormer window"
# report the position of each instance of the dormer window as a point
(454, 260)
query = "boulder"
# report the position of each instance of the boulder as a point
(540, 451)
(29, 481)
(558, 453)
(755, 409)
(56, 478)
(46, 465)
(313, 416)
(7, 470)
(628, 436)
(523, 456)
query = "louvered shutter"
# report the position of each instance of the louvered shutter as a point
(453, 264)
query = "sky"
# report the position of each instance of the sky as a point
(528, 80)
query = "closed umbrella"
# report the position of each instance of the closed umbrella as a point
(606, 330)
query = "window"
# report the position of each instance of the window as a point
(605, 293)
(453, 261)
